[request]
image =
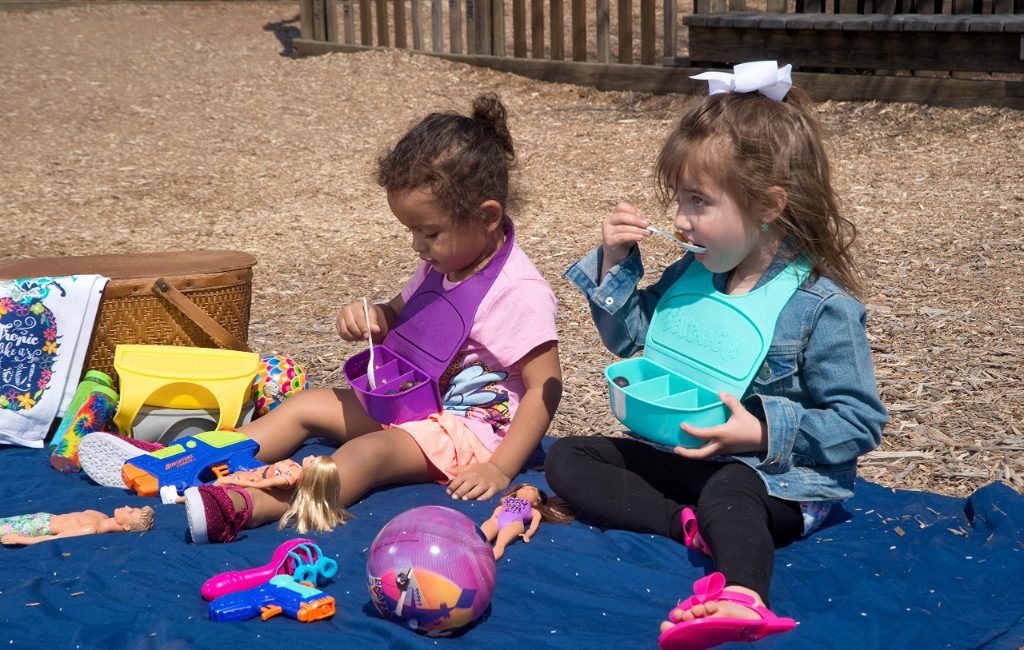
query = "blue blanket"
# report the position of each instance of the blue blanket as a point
(894, 569)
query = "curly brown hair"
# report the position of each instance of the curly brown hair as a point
(747, 143)
(464, 161)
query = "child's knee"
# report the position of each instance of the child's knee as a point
(565, 464)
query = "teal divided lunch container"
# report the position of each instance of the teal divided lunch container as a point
(700, 342)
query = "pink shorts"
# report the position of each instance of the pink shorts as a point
(446, 441)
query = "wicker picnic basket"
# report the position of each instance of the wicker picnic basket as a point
(193, 298)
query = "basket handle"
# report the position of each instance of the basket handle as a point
(220, 335)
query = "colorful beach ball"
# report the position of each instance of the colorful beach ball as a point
(277, 377)
(431, 571)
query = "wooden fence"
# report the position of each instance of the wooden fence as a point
(832, 52)
(539, 36)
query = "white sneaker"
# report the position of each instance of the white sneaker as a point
(103, 454)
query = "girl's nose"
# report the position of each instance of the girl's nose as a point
(419, 243)
(683, 222)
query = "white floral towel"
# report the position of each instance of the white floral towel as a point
(45, 325)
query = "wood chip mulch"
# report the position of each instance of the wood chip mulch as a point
(147, 128)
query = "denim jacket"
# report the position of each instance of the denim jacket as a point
(817, 392)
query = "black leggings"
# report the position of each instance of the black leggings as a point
(630, 485)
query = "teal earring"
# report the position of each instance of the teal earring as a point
(764, 227)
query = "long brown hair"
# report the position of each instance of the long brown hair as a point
(747, 143)
(553, 509)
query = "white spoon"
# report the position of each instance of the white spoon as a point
(688, 246)
(369, 368)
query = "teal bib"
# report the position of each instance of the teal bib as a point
(700, 342)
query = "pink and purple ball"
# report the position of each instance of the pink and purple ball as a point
(277, 377)
(431, 570)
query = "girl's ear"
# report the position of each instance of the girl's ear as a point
(492, 213)
(773, 203)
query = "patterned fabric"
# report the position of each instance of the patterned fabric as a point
(37, 525)
(513, 509)
(815, 512)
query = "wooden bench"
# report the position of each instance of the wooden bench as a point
(965, 42)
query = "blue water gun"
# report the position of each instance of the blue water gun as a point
(191, 461)
(281, 594)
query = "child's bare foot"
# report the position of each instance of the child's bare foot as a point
(716, 608)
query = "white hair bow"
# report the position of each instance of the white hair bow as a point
(764, 76)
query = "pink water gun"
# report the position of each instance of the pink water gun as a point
(300, 558)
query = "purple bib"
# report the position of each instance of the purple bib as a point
(424, 341)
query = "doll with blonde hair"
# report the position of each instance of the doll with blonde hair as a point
(315, 505)
(41, 527)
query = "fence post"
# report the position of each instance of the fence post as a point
(498, 27)
(330, 21)
(436, 39)
(319, 21)
(603, 21)
(382, 23)
(557, 30)
(625, 31)
(647, 31)
(306, 19)
(455, 25)
(482, 21)
(671, 28)
(579, 30)
(350, 21)
(519, 28)
(471, 26)
(400, 40)
(417, 24)
(537, 27)
(365, 23)
(778, 6)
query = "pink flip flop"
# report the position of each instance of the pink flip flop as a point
(702, 633)
(691, 536)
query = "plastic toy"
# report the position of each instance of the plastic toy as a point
(277, 377)
(521, 506)
(191, 461)
(299, 558)
(177, 377)
(91, 379)
(42, 526)
(426, 337)
(280, 594)
(700, 342)
(92, 415)
(163, 425)
(428, 569)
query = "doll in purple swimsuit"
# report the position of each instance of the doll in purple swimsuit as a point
(523, 504)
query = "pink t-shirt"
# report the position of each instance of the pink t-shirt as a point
(483, 384)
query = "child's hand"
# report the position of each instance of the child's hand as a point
(619, 231)
(479, 481)
(351, 323)
(741, 433)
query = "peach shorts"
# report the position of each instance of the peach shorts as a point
(446, 441)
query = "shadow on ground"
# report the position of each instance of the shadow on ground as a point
(285, 31)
